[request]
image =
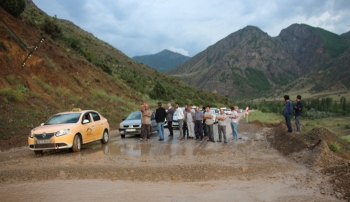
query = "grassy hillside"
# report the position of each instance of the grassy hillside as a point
(73, 68)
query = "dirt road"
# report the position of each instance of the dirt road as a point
(189, 170)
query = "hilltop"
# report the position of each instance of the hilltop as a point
(163, 61)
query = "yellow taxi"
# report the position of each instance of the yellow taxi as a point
(69, 130)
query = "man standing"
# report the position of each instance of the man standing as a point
(234, 122)
(169, 118)
(298, 110)
(222, 125)
(288, 113)
(160, 117)
(204, 126)
(180, 117)
(185, 128)
(145, 121)
(198, 128)
(189, 119)
(208, 117)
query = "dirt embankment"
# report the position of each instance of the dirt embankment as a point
(312, 150)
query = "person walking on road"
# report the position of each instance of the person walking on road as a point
(208, 117)
(189, 120)
(169, 118)
(160, 118)
(234, 122)
(198, 128)
(180, 117)
(288, 110)
(298, 110)
(222, 125)
(145, 121)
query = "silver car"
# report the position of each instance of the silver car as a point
(132, 124)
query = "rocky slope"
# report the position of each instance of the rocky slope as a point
(250, 63)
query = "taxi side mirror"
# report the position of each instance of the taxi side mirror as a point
(86, 121)
(42, 124)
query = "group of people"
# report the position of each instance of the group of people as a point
(198, 125)
(288, 113)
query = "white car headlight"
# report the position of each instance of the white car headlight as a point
(121, 125)
(62, 132)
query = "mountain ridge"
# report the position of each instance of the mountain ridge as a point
(163, 61)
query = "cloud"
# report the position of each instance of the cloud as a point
(139, 27)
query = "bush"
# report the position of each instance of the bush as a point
(335, 147)
(14, 7)
(52, 27)
(12, 95)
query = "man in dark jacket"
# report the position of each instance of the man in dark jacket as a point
(298, 110)
(160, 117)
(288, 110)
(169, 118)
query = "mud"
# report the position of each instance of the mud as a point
(249, 169)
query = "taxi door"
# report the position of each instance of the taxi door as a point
(88, 128)
(98, 124)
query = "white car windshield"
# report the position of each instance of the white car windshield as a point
(63, 118)
(134, 116)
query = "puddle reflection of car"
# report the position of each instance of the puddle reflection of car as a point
(69, 130)
(132, 124)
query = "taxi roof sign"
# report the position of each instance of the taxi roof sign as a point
(76, 110)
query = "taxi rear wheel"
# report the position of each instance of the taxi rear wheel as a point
(76, 143)
(105, 137)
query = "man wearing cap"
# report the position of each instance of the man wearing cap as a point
(160, 118)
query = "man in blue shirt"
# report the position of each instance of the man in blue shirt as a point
(288, 110)
(298, 110)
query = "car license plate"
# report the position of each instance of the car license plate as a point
(42, 141)
(131, 130)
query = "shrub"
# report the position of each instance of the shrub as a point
(346, 138)
(22, 88)
(52, 27)
(14, 7)
(12, 95)
(335, 147)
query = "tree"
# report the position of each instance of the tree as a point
(52, 27)
(14, 7)
(159, 91)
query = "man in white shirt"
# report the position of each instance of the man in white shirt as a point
(208, 117)
(180, 118)
(189, 120)
(222, 125)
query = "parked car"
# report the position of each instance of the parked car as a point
(132, 124)
(175, 123)
(69, 130)
(227, 111)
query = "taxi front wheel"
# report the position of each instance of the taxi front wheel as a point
(76, 143)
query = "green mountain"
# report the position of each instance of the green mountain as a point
(251, 64)
(163, 61)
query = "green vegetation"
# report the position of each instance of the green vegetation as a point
(14, 7)
(257, 79)
(333, 43)
(8, 94)
(335, 147)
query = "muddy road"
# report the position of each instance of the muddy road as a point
(171, 170)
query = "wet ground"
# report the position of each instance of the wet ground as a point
(170, 170)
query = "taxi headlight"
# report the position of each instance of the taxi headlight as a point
(31, 135)
(62, 132)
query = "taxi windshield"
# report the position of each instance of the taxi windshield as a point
(63, 118)
(134, 116)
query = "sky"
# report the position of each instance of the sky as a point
(143, 27)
